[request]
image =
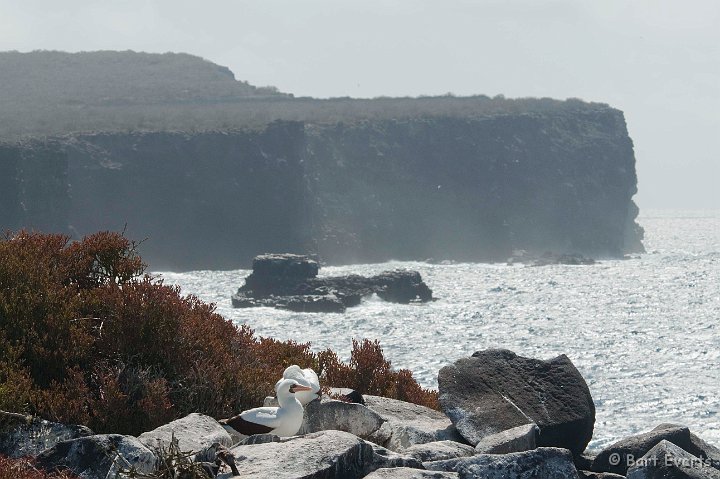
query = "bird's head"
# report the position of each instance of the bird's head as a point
(290, 386)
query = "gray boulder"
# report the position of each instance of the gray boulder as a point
(408, 424)
(258, 439)
(94, 457)
(407, 473)
(22, 435)
(495, 390)
(544, 462)
(325, 454)
(328, 414)
(194, 432)
(697, 447)
(385, 458)
(439, 450)
(668, 461)
(617, 457)
(517, 439)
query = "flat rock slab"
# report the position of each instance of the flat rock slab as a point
(408, 424)
(618, 457)
(407, 473)
(496, 390)
(439, 450)
(28, 436)
(544, 462)
(328, 414)
(93, 457)
(668, 461)
(517, 439)
(326, 455)
(194, 432)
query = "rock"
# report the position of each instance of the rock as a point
(274, 267)
(599, 475)
(617, 457)
(328, 414)
(385, 458)
(495, 390)
(668, 461)
(543, 462)
(312, 303)
(326, 455)
(235, 436)
(408, 473)
(289, 281)
(93, 457)
(402, 287)
(584, 461)
(408, 424)
(439, 450)
(697, 446)
(348, 395)
(28, 436)
(258, 439)
(517, 439)
(194, 432)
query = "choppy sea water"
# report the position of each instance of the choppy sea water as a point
(644, 332)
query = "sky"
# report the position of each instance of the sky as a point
(657, 60)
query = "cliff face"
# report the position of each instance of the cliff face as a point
(444, 187)
(33, 186)
(474, 189)
(208, 200)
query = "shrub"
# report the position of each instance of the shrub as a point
(370, 373)
(23, 468)
(87, 337)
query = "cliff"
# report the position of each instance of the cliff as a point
(214, 171)
(441, 187)
(474, 188)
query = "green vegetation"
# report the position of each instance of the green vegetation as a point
(86, 337)
(55, 93)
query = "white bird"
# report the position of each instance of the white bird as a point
(282, 421)
(306, 377)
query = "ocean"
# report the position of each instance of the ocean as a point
(644, 332)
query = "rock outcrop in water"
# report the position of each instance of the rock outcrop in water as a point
(289, 281)
(467, 179)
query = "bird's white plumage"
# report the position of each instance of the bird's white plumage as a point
(286, 419)
(306, 377)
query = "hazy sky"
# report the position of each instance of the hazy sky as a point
(657, 60)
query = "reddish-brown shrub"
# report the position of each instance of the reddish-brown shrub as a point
(23, 468)
(86, 337)
(370, 373)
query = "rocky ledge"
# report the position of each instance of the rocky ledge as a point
(289, 281)
(504, 416)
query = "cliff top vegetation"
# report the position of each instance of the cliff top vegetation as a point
(55, 93)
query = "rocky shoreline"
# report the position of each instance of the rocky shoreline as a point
(503, 416)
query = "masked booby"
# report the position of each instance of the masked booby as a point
(282, 421)
(306, 377)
